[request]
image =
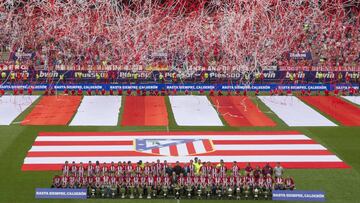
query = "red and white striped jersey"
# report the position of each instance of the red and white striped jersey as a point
(120, 170)
(150, 181)
(235, 170)
(81, 171)
(73, 169)
(66, 170)
(147, 170)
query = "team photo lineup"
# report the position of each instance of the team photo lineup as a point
(179, 100)
(161, 179)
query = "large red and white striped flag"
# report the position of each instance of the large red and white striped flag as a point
(293, 149)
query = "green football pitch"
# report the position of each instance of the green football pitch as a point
(340, 185)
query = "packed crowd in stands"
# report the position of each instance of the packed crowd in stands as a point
(161, 180)
(329, 30)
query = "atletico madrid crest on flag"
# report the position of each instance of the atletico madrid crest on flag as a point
(293, 149)
(174, 147)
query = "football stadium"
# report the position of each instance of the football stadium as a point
(179, 100)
